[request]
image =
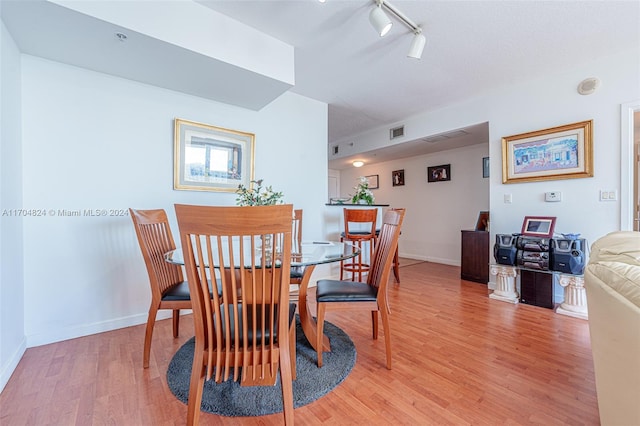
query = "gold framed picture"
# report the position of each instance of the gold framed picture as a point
(562, 152)
(210, 158)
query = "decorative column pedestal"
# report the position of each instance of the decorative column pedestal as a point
(505, 283)
(575, 297)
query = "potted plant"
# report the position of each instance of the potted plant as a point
(255, 195)
(363, 194)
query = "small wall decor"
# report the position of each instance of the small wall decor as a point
(439, 173)
(374, 182)
(485, 167)
(562, 152)
(538, 226)
(397, 177)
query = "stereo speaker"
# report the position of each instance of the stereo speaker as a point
(504, 250)
(568, 256)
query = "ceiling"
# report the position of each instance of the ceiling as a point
(472, 47)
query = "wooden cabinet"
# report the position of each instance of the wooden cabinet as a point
(474, 265)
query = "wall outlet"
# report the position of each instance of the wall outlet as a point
(507, 198)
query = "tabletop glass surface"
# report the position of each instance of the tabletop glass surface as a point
(311, 253)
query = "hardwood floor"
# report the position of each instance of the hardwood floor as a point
(459, 358)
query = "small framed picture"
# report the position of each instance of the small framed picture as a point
(439, 173)
(374, 182)
(397, 177)
(485, 167)
(482, 224)
(538, 226)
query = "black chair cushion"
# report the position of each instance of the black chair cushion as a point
(181, 291)
(345, 291)
(343, 234)
(296, 272)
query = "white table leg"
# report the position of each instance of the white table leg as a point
(575, 297)
(505, 283)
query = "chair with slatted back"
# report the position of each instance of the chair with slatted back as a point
(370, 296)
(360, 230)
(168, 288)
(247, 333)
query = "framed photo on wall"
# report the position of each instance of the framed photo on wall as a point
(374, 181)
(397, 177)
(439, 173)
(210, 158)
(562, 152)
(485, 167)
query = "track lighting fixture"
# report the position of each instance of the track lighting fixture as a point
(417, 45)
(380, 21)
(382, 25)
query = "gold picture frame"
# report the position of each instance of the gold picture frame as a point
(563, 152)
(210, 158)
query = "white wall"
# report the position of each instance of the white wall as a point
(436, 211)
(12, 336)
(552, 100)
(93, 141)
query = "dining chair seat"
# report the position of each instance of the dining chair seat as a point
(345, 291)
(181, 291)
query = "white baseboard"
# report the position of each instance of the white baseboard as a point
(59, 335)
(12, 364)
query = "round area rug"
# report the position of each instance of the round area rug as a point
(230, 399)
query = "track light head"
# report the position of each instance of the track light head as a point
(417, 45)
(380, 20)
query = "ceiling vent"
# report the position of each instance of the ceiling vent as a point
(336, 148)
(396, 132)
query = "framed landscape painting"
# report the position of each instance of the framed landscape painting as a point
(562, 152)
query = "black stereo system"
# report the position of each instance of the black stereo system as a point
(544, 254)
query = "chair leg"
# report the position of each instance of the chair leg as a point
(196, 387)
(396, 266)
(320, 331)
(148, 334)
(292, 349)
(374, 324)
(176, 322)
(387, 336)
(286, 377)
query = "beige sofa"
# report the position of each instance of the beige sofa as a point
(612, 282)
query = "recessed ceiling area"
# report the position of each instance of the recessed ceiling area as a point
(457, 138)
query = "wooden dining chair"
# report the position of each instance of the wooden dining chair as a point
(360, 230)
(247, 333)
(168, 288)
(372, 295)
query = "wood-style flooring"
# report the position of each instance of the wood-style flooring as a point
(459, 358)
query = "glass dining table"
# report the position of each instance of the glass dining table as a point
(309, 255)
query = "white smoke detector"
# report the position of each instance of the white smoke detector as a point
(588, 86)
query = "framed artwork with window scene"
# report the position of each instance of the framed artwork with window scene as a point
(210, 158)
